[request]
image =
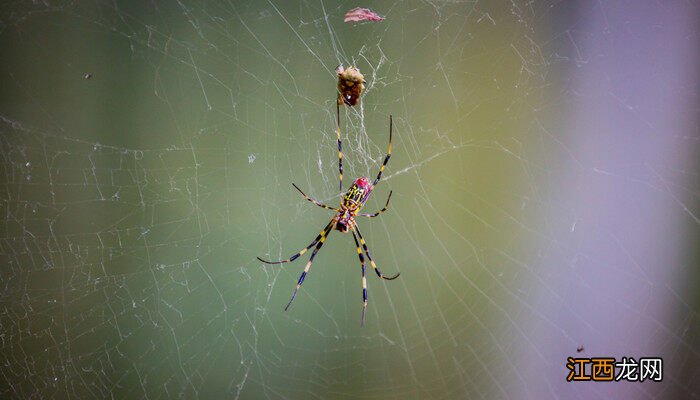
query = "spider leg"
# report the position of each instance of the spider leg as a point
(380, 211)
(314, 201)
(364, 246)
(388, 153)
(306, 270)
(321, 236)
(364, 280)
(340, 148)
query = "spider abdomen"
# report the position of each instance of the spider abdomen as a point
(357, 195)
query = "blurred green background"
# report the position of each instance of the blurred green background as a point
(149, 150)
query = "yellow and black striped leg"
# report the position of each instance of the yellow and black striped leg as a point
(388, 153)
(321, 236)
(340, 149)
(380, 211)
(369, 257)
(364, 280)
(314, 201)
(306, 270)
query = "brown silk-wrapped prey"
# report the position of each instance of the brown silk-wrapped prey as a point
(351, 83)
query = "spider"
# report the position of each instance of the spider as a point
(344, 221)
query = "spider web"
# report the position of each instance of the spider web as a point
(545, 186)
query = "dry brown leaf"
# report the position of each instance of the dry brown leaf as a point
(362, 14)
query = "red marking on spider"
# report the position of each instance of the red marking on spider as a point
(362, 182)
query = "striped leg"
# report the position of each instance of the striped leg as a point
(364, 280)
(314, 201)
(321, 236)
(306, 270)
(380, 211)
(340, 149)
(364, 246)
(388, 153)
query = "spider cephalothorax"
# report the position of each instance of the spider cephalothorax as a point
(344, 221)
